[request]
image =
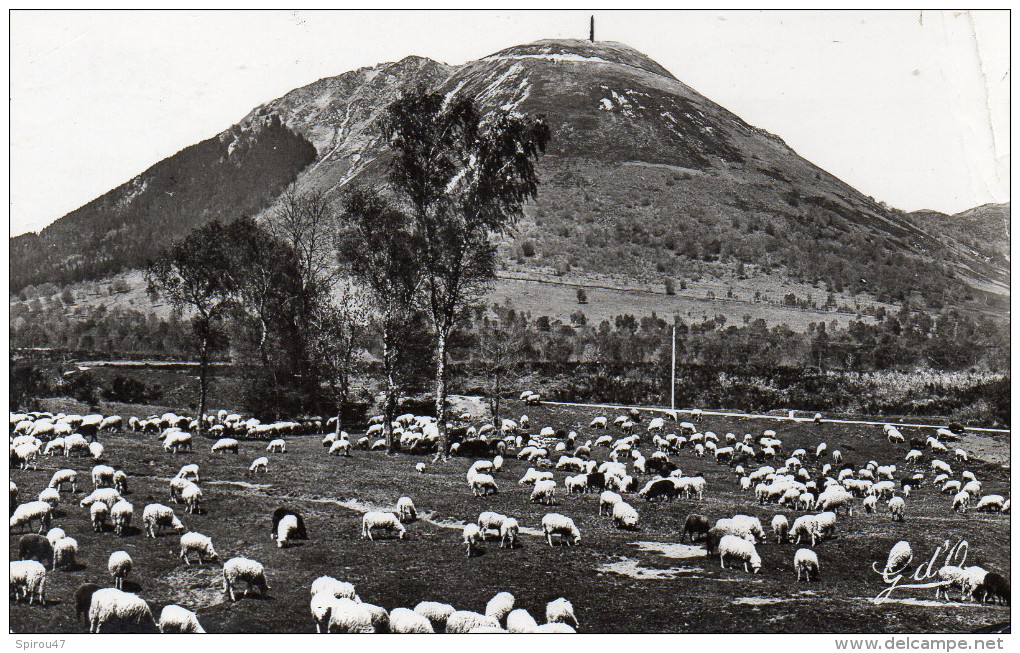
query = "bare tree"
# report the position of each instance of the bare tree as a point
(338, 337)
(502, 347)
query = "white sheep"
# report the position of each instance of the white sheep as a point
(805, 525)
(64, 551)
(464, 621)
(560, 611)
(543, 492)
(896, 508)
(240, 569)
(120, 481)
(780, 527)
(51, 496)
(404, 621)
(111, 604)
(557, 524)
(175, 619)
(343, 448)
(156, 517)
(62, 477)
(377, 520)
(500, 606)
(192, 497)
(607, 500)
(406, 510)
(286, 529)
(731, 546)
(100, 515)
(192, 542)
(259, 465)
(508, 532)
(177, 441)
(961, 501)
(436, 613)
(28, 580)
(337, 589)
(96, 450)
(55, 534)
(472, 537)
(121, 514)
(189, 472)
(119, 565)
(990, 503)
(107, 495)
(899, 557)
(483, 485)
(224, 445)
(277, 446)
(420, 468)
(519, 621)
(625, 516)
(102, 476)
(28, 512)
(806, 561)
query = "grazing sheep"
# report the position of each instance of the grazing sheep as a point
(175, 619)
(28, 580)
(280, 513)
(500, 606)
(83, 599)
(64, 552)
(519, 621)
(123, 608)
(472, 537)
(557, 524)
(464, 621)
(560, 611)
(96, 450)
(240, 569)
(51, 496)
(285, 530)
(99, 514)
(119, 566)
(490, 521)
(177, 441)
(420, 468)
(106, 495)
(896, 508)
(192, 542)
(483, 485)
(404, 621)
(973, 578)
(36, 547)
(189, 472)
(731, 546)
(950, 576)
(806, 561)
(436, 613)
(805, 525)
(543, 492)
(780, 527)
(337, 589)
(990, 503)
(508, 532)
(378, 616)
(121, 515)
(607, 500)
(259, 465)
(61, 478)
(406, 510)
(343, 448)
(695, 524)
(55, 534)
(224, 445)
(870, 503)
(156, 517)
(625, 516)
(377, 520)
(994, 587)
(28, 512)
(120, 481)
(192, 497)
(961, 501)
(899, 557)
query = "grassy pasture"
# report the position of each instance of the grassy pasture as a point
(615, 584)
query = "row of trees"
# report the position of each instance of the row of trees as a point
(297, 294)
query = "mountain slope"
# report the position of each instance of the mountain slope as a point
(645, 178)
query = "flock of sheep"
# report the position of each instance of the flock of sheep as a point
(820, 483)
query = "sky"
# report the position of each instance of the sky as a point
(909, 107)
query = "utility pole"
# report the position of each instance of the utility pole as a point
(672, 375)
(591, 34)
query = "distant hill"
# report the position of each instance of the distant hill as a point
(645, 179)
(985, 228)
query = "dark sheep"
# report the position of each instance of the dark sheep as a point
(712, 538)
(918, 443)
(596, 482)
(739, 459)
(476, 447)
(994, 587)
(83, 599)
(635, 415)
(35, 547)
(956, 428)
(659, 466)
(662, 487)
(280, 513)
(695, 525)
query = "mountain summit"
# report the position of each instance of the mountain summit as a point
(644, 177)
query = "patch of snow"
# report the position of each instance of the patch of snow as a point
(552, 57)
(669, 550)
(758, 600)
(630, 567)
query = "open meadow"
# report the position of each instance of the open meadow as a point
(643, 580)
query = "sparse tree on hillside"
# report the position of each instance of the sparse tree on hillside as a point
(191, 275)
(380, 247)
(464, 179)
(502, 347)
(338, 337)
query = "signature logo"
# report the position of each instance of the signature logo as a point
(898, 579)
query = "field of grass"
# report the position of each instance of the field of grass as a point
(618, 581)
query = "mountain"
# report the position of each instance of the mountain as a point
(984, 228)
(645, 178)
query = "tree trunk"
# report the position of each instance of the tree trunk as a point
(390, 409)
(444, 436)
(203, 378)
